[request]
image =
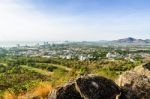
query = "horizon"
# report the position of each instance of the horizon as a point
(34, 41)
(69, 20)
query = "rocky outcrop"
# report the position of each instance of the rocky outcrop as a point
(87, 87)
(67, 92)
(135, 84)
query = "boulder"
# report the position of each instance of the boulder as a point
(66, 92)
(135, 83)
(87, 87)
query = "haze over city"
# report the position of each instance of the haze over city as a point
(73, 20)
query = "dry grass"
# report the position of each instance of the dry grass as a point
(9, 95)
(43, 89)
(40, 92)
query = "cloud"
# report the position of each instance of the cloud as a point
(21, 20)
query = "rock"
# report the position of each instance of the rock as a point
(87, 87)
(136, 83)
(67, 92)
(97, 87)
(143, 70)
(147, 66)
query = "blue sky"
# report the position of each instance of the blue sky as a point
(75, 20)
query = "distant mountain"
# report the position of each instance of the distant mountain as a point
(132, 40)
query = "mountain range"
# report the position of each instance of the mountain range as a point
(131, 40)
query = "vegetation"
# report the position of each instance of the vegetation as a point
(23, 75)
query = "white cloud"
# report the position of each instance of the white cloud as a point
(23, 22)
(20, 20)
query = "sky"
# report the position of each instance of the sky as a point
(73, 20)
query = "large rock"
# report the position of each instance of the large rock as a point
(136, 83)
(87, 87)
(67, 92)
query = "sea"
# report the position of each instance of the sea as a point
(8, 44)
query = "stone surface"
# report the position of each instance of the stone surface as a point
(87, 87)
(67, 92)
(97, 87)
(136, 83)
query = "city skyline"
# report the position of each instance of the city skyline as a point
(73, 20)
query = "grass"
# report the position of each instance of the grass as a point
(61, 67)
(58, 66)
(4, 64)
(41, 91)
(43, 72)
(108, 74)
(9, 95)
